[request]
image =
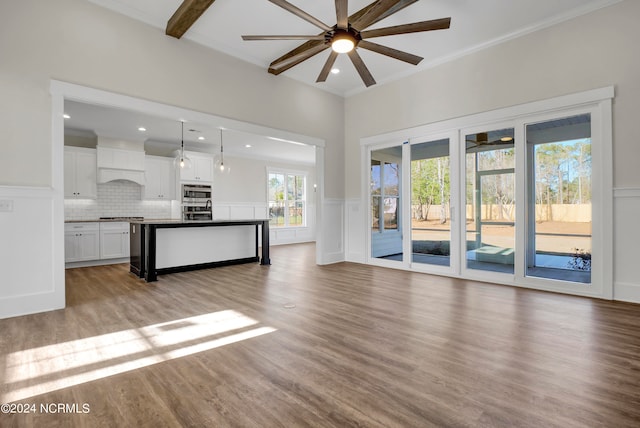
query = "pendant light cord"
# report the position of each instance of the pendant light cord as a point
(221, 148)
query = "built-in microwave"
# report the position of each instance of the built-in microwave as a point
(196, 202)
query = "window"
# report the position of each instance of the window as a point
(287, 199)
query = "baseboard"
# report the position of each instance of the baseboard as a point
(331, 258)
(626, 292)
(89, 263)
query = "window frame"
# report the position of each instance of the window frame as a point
(286, 172)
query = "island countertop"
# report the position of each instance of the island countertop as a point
(167, 246)
(214, 222)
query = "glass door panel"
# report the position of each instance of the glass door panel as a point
(559, 210)
(490, 201)
(430, 203)
(386, 227)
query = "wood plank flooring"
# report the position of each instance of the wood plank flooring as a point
(300, 345)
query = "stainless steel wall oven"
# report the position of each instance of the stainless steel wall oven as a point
(196, 202)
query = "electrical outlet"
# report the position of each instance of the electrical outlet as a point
(6, 205)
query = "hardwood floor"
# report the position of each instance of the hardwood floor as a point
(296, 344)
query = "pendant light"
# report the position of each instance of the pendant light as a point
(222, 168)
(182, 160)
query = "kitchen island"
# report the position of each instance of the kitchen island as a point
(168, 246)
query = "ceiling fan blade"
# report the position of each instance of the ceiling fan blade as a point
(363, 71)
(393, 53)
(435, 24)
(373, 13)
(185, 16)
(396, 8)
(292, 37)
(301, 14)
(342, 14)
(322, 77)
(296, 56)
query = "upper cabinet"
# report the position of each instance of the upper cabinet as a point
(80, 173)
(160, 178)
(201, 169)
(120, 164)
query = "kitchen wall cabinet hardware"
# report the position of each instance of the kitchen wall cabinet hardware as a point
(80, 173)
(114, 240)
(201, 170)
(160, 179)
(81, 242)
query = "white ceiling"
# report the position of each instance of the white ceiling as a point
(163, 136)
(474, 25)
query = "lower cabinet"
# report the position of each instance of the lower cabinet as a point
(81, 242)
(92, 241)
(114, 240)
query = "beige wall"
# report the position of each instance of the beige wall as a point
(587, 52)
(81, 43)
(247, 180)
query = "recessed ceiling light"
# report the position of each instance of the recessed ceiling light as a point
(335, 70)
(66, 116)
(201, 138)
(247, 145)
(142, 129)
(506, 139)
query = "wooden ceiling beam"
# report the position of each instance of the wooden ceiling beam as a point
(185, 16)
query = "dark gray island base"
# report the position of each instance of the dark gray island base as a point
(161, 247)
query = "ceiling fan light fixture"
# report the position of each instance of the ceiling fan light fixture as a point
(343, 42)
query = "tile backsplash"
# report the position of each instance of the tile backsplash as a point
(116, 199)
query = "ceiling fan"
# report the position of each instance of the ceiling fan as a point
(482, 139)
(347, 35)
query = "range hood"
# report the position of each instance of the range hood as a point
(120, 164)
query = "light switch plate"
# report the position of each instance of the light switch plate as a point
(6, 205)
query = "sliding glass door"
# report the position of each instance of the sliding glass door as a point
(385, 179)
(522, 201)
(431, 203)
(490, 200)
(559, 189)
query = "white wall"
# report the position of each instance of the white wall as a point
(587, 52)
(78, 42)
(242, 193)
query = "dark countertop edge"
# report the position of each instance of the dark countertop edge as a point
(124, 220)
(199, 222)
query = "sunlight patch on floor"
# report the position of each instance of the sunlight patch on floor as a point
(49, 368)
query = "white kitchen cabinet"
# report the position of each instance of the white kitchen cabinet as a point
(81, 242)
(120, 159)
(80, 173)
(160, 178)
(201, 168)
(114, 240)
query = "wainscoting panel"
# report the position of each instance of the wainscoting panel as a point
(31, 252)
(259, 210)
(356, 229)
(626, 241)
(332, 230)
